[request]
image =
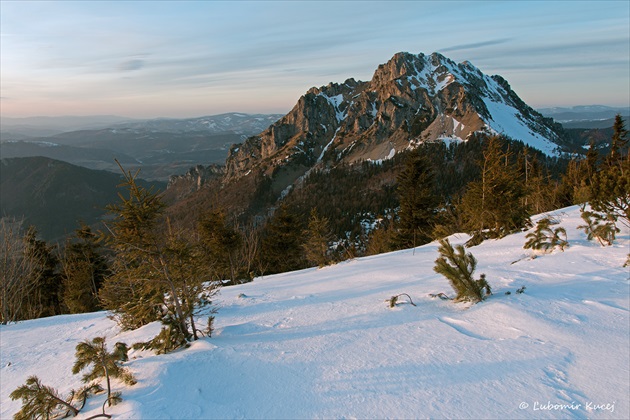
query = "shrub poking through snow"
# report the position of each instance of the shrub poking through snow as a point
(170, 338)
(440, 295)
(395, 300)
(43, 402)
(600, 227)
(40, 401)
(545, 238)
(458, 267)
(104, 365)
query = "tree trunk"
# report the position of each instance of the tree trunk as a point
(175, 296)
(65, 404)
(109, 387)
(194, 329)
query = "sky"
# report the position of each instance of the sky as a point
(149, 59)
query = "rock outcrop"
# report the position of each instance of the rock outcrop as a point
(193, 180)
(410, 99)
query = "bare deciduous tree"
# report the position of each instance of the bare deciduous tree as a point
(20, 272)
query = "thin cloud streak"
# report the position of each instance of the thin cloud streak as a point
(166, 54)
(131, 65)
(476, 45)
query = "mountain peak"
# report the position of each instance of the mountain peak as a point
(412, 98)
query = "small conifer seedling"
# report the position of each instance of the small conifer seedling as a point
(545, 238)
(458, 267)
(41, 402)
(104, 364)
(600, 227)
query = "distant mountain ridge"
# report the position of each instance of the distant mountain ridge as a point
(232, 122)
(160, 147)
(575, 114)
(48, 126)
(410, 99)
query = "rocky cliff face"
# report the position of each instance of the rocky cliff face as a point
(194, 179)
(410, 99)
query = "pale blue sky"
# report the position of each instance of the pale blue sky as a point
(180, 59)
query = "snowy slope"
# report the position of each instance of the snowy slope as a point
(505, 116)
(323, 343)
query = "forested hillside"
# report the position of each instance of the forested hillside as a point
(487, 187)
(55, 196)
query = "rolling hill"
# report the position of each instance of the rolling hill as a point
(54, 195)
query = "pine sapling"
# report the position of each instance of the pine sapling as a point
(458, 267)
(600, 227)
(41, 402)
(104, 365)
(545, 238)
(170, 338)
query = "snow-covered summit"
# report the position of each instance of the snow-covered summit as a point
(324, 343)
(412, 98)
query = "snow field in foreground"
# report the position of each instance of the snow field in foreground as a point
(323, 343)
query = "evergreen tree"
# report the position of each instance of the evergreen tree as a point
(104, 365)
(192, 278)
(318, 238)
(418, 202)
(282, 242)
(575, 187)
(610, 192)
(133, 293)
(545, 238)
(458, 267)
(158, 274)
(221, 244)
(83, 269)
(41, 402)
(48, 282)
(381, 239)
(618, 143)
(591, 162)
(539, 187)
(598, 226)
(493, 206)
